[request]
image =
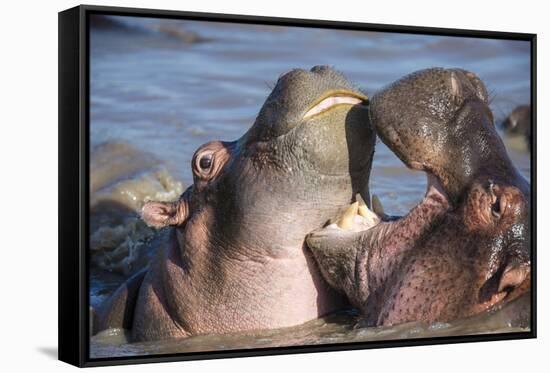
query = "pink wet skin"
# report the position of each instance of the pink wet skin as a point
(360, 262)
(434, 264)
(457, 270)
(228, 295)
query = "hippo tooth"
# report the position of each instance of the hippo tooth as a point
(371, 218)
(364, 211)
(377, 206)
(347, 220)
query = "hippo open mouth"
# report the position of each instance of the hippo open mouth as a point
(359, 217)
(376, 259)
(465, 247)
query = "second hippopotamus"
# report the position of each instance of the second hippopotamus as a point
(466, 246)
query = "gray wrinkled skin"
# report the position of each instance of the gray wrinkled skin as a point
(237, 260)
(465, 247)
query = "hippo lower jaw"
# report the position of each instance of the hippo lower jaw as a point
(386, 241)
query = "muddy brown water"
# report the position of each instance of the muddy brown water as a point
(161, 88)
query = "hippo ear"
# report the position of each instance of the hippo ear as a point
(162, 214)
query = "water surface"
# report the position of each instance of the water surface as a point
(161, 88)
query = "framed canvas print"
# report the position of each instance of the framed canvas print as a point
(237, 186)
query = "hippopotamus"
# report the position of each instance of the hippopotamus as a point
(237, 259)
(518, 122)
(466, 246)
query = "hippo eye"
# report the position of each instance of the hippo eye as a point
(205, 162)
(495, 209)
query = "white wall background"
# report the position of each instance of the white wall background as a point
(28, 182)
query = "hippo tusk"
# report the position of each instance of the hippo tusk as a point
(346, 221)
(360, 199)
(363, 210)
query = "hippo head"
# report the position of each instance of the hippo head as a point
(301, 161)
(439, 121)
(466, 246)
(254, 200)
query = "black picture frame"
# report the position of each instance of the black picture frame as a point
(74, 73)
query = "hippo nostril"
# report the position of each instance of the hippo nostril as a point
(510, 278)
(513, 276)
(490, 287)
